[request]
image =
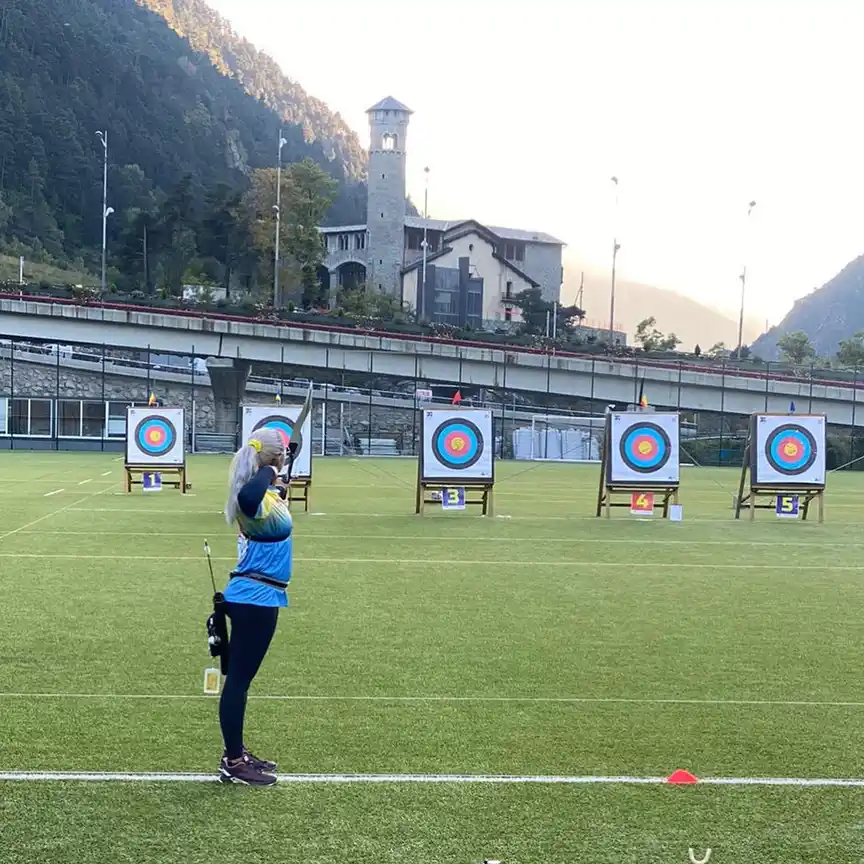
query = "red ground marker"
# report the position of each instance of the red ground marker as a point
(681, 777)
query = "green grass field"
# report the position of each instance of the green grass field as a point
(546, 643)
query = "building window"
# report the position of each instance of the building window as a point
(508, 314)
(514, 251)
(383, 176)
(470, 247)
(388, 141)
(343, 242)
(508, 291)
(359, 241)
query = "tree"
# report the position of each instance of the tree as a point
(537, 314)
(795, 347)
(652, 339)
(851, 352)
(306, 195)
(718, 350)
(305, 202)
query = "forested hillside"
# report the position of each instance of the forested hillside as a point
(185, 141)
(828, 315)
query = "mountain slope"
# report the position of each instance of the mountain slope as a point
(70, 67)
(692, 322)
(260, 76)
(830, 313)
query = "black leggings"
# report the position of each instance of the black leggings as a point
(252, 628)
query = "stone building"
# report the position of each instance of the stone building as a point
(387, 253)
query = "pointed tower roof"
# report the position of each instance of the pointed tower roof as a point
(389, 104)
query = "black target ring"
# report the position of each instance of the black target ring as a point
(799, 438)
(454, 436)
(653, 438)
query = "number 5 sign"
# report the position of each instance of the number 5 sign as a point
(787, 506)
(642, 503)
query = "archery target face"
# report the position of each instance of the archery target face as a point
(155, 436)
(644, 449)
(788, 449)
(282, 419)
(457, 444)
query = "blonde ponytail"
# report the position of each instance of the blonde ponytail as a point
(266, 447)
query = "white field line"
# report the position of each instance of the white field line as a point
(51, 515)
(524, 700)
(450, 562)
(456, 779)
(416, 538)
(404, 514)
(55, 492)
(83, 482)
(106, 473)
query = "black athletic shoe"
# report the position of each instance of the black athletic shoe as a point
(244, 772)
(261, 764)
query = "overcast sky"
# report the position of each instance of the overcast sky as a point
(524, 110)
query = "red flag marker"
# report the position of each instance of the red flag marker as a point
(680, 778)
(457, 398)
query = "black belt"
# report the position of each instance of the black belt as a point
(260, 577)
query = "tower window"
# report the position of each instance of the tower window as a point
(388, 141)
(383, 176)
(343, 242)
(382, 215)
(359, 241)
(470, 247)
(508, 291)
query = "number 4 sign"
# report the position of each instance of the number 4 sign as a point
(642, 503)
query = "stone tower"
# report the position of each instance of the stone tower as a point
(385, 216)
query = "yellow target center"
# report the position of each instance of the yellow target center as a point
(458, 444)
(791, 449)
(644, 448)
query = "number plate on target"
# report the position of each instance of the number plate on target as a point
(642, 504)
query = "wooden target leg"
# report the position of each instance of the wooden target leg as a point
(127, 482)
(821, 507)
(608, 503)
(491, 501)
(752, 503)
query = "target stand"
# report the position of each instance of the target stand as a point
(293, 423)
(457, 451)
(134, 476)
(302, 486)
(155, 443)
(476, 494)
(639, 455)
(784, 457)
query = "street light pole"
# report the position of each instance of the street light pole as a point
(615, 247)
(425, 230)
(278, 209)
(106, 210)
(743, 278)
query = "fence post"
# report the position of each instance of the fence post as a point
(854, 401)
(722, 411)
(56, 403)
(106, 413)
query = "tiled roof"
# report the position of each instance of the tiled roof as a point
(390, 104)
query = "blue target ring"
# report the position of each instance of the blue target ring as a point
(790, 449)
(155, 435)
(283, 425)
(644, 447)
(457, 444)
